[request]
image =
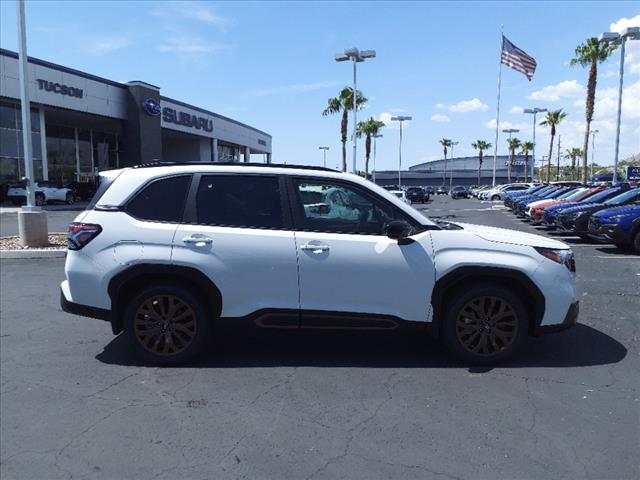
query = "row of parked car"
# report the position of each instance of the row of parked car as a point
(605, 212)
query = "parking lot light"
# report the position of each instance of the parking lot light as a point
(534, 111)
(324, 153)
(379, 135)
(453, 144)
(400, 118)
(356, 56)
(630, 33)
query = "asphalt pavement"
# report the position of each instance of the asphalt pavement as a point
(322, 405)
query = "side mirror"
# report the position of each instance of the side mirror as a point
(399, 230)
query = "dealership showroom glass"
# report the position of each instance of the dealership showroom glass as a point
(83, 124)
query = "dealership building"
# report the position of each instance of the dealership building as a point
(83, 124)
(459, 171)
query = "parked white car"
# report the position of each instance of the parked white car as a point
(44, 193)
(497, 193)
(165, 252)
(402, 195)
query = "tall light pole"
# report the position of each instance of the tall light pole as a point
(593, 148)
(631, 33)
(453, 144)
(510, 131)
(324, 155)
(379, 135)
(400, 118)
(534, 111)
(356, 56)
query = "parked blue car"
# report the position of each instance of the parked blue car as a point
(549, 214)
(521, 204)
(618, 225)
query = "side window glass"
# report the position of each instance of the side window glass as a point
(249, 201)
(328, 207)
(162, 200)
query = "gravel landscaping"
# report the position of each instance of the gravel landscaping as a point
(57, 241)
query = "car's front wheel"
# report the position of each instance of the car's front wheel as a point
(636, 242)
(166, 324)
(70, 198)
(40, 199)
(484, 324)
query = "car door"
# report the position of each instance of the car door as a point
(237, 232)
(349, 269)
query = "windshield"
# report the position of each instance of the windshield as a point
(598, 196)
(575, 194)
(627, 196)
(565, 194)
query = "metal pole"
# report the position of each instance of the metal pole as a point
(534, 145)
(374, 158)
(400, 158)
(25, 106)
(623, 41)
(558, 167)
(495, 147)
(355, 115)
(324, 161)
(593, 146)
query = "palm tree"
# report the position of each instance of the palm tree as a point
(552, 120)
(573, 154)
(481, 146)
(525, 148)
(344, 103)
(368, 128)
(513, 144)
(589, 54)
(445, 142)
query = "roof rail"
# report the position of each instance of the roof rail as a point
(159, 163)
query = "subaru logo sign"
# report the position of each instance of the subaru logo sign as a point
(152, 107)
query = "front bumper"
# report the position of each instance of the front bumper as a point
(570, 319)
(611, 232)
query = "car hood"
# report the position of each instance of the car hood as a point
(513, 237)
(622, 209)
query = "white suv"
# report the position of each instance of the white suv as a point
(165, 251)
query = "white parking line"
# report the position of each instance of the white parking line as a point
(628, 257)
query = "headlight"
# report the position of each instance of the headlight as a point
(564, 257)
(616, 218)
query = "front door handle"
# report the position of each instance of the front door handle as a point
(310, 247)
(197, 240)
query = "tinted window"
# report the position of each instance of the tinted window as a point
(628, 196)
(162, 200)
(239, 201)
(337, 208)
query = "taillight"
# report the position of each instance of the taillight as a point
(79, 234)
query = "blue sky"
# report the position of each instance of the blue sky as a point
(270, 64)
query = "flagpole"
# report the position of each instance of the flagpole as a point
(495, 146)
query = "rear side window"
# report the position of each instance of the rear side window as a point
(239, 201)
(162, 200)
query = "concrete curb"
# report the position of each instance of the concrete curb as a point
(30, 253)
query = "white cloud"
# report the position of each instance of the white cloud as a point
(623, 23)
(516, 110)
(523, 127)
(385, 117)
(439, 118)
(104, 45)
(606, 105)
(288, 89)
(193, 46)
(553, 93)
(191, 10)
(464, 106)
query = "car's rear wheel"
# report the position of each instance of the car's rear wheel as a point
(484, 324)
(495, 197)
(70, 198)
(40, 200)
(166, 324)
(636, 242)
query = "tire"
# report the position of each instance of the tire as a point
(475, 341)
(495, 197)
(70, 198)
(184, 343)
(636, 242)
(40, 199)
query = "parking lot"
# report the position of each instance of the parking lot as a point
(317, 405)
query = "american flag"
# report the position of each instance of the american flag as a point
(515, 58)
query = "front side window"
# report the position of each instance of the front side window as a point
(247, 201)
(162, 200)
(325, 206)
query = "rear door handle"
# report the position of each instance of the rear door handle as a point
(197, 240)
(309, 247)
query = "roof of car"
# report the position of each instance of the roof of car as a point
(234, 164)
